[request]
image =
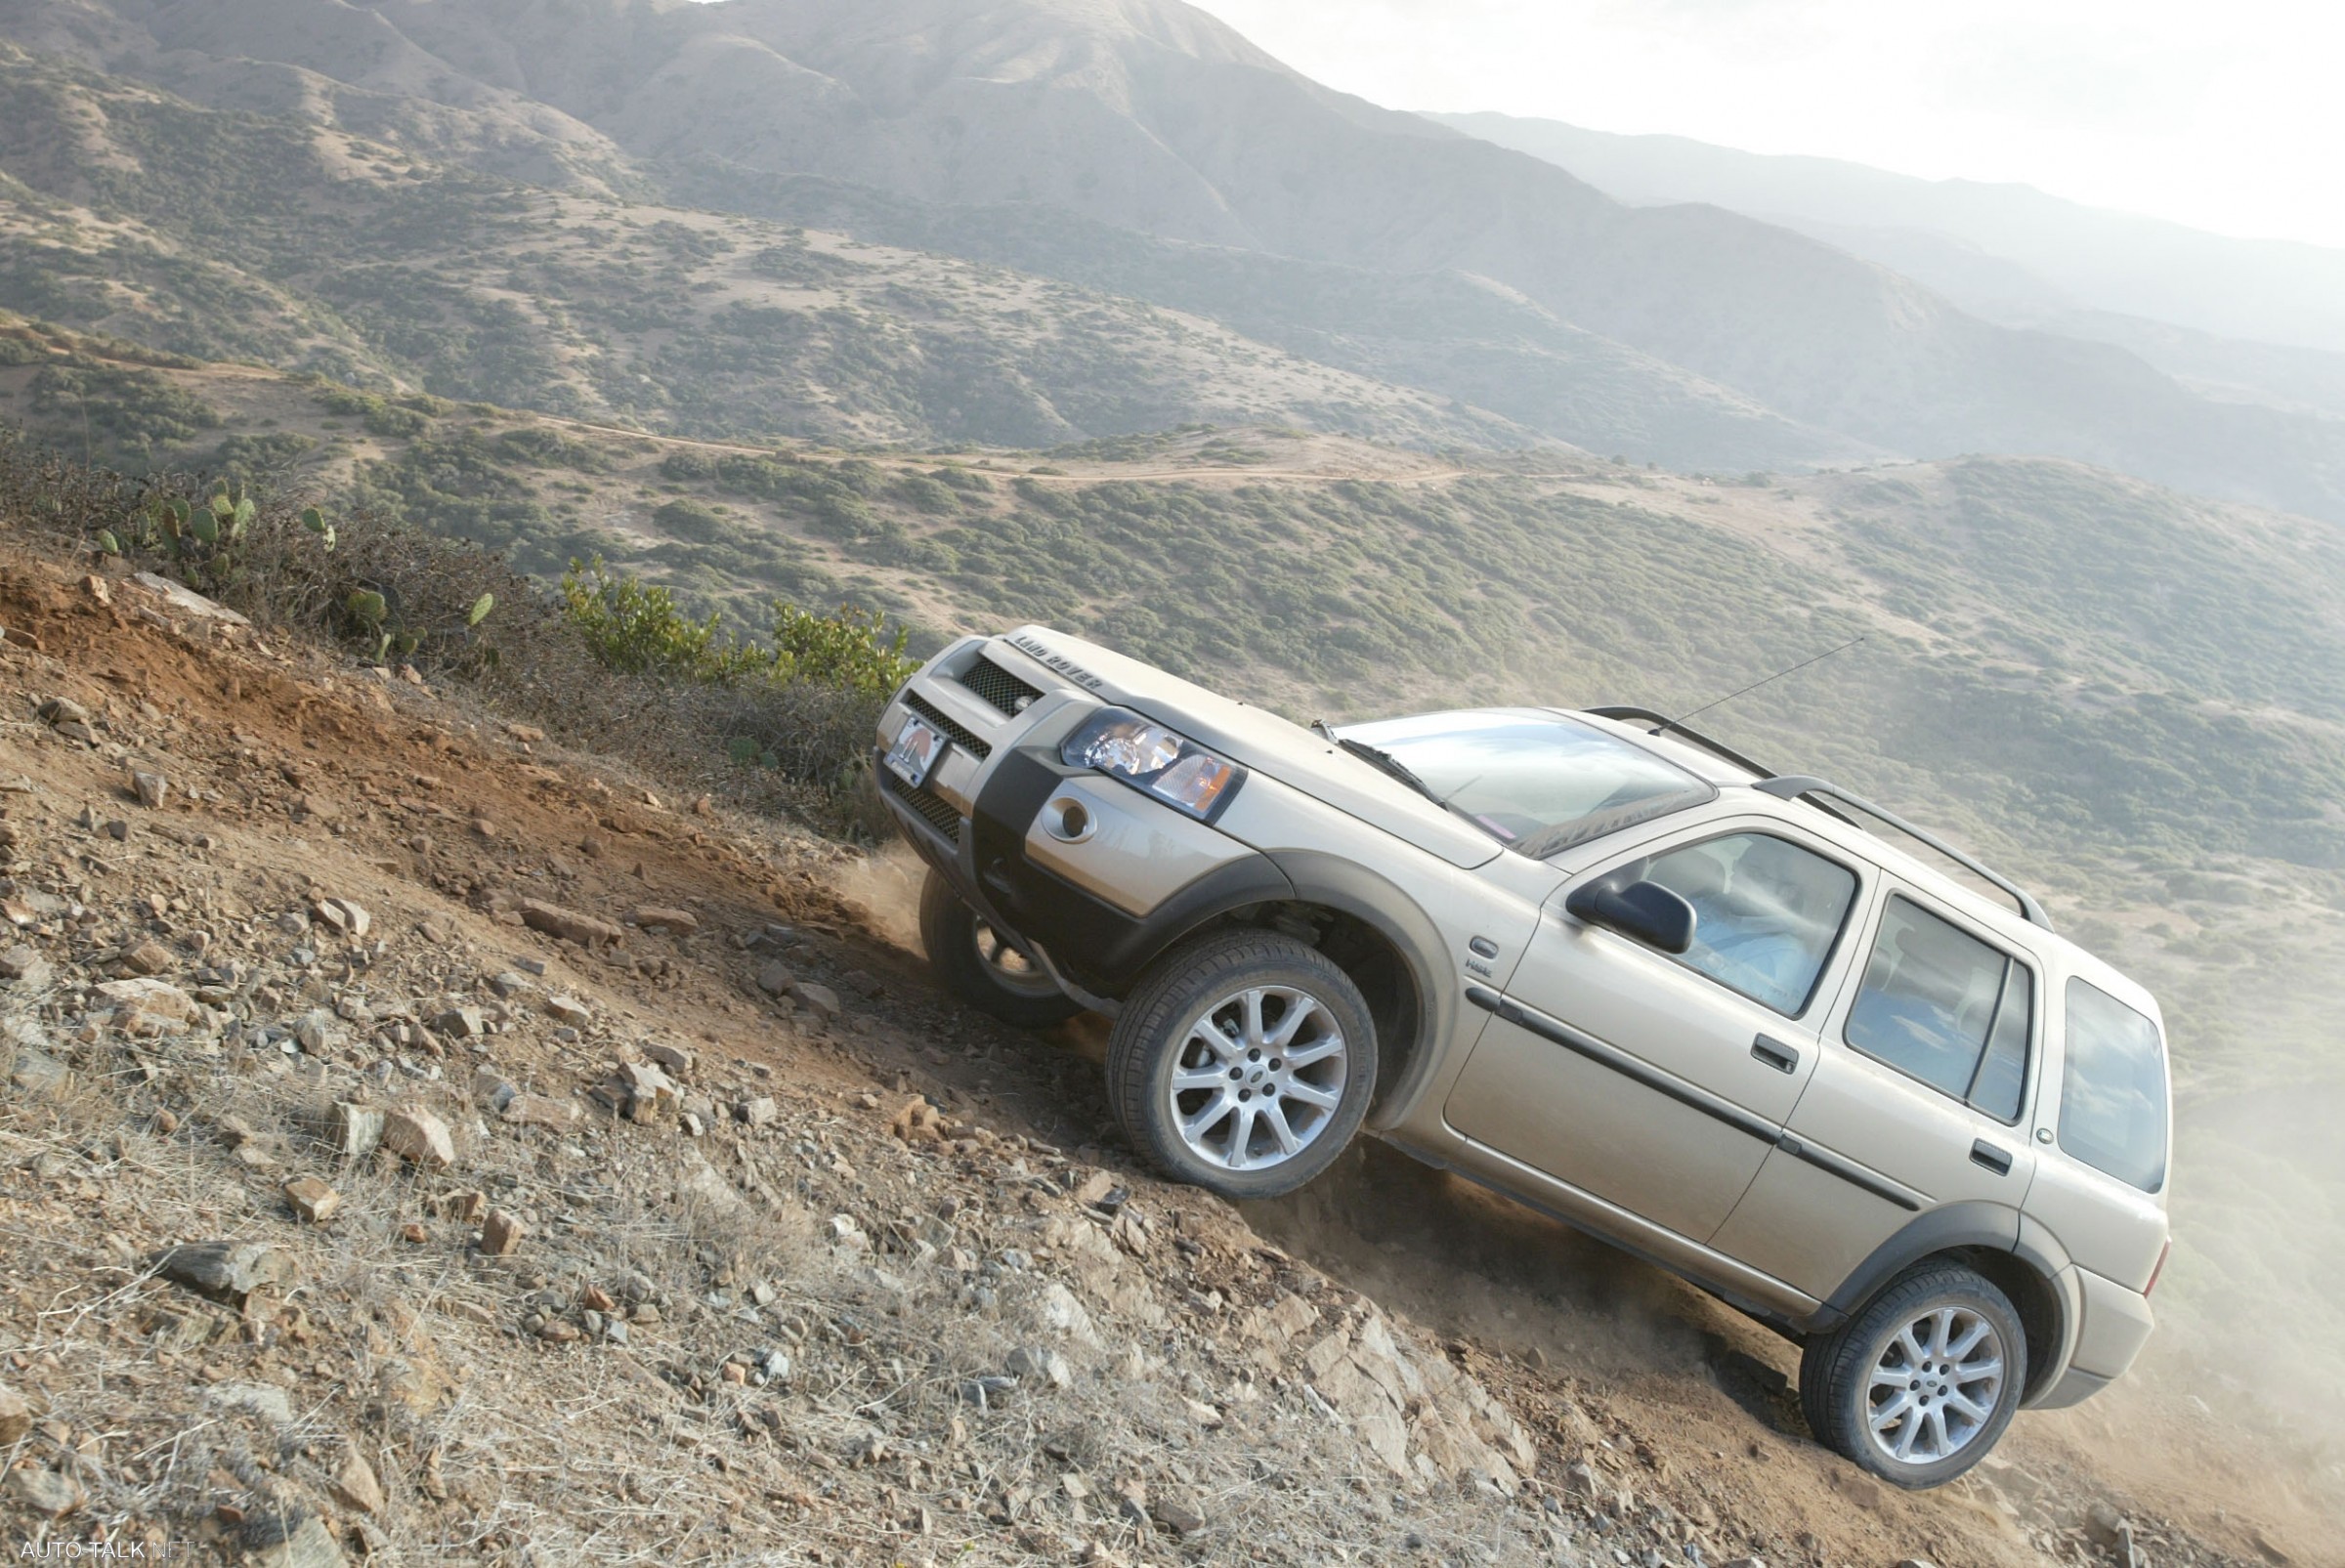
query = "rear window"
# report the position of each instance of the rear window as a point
(1940, 1005)
(2113, 1090)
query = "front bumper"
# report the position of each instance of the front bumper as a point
(1100, 902)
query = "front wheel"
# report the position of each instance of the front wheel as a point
(1243, 1064)
(1921, 1382)
(984, 968)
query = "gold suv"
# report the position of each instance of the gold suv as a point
(1732, 1021)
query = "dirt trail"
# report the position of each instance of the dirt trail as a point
(914, 1210)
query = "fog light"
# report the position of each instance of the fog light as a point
(1067, 820)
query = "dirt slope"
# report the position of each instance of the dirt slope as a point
(713, 1234)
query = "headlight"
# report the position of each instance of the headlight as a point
(1147, 755)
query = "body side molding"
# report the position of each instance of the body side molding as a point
(1715, 1107)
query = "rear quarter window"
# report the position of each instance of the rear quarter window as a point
(2112, 1089)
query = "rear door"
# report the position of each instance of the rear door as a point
(1658, 1082)
(1921, 1086)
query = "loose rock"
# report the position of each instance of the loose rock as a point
(357, 1129)
(40, 1075)
(307, 1543)
(16, 1416)
(501, 1233)
(147, 1006)
(462, 1023)
(311, 1199)
(568, 924)
(226, 1271)
(356, 1485)
(44, 1491)
(1038, 1363)
(344, 917)
(822, 998)
(1178, 1514)
(419, 1138)
(539, 1110)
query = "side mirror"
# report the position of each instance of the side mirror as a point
(1647, 911)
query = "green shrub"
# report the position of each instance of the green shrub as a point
(850, 650)
(540, 448)
(690, 520)
(401, 420)
(639, 629)
(804, 703)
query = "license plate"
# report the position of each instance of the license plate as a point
(913, 756)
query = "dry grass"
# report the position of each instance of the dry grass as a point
(523, 663)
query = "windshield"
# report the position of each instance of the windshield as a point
(1537, 782)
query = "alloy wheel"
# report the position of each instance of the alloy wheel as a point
(1258, 1076)
(1935, 1387)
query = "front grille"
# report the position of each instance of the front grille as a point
(935, 809)
(998, 686)
(960, 734)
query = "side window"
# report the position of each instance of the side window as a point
(1765, 913)
(1939, 1004)
(2112, 1089)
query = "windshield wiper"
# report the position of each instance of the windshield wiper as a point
(1386, 763)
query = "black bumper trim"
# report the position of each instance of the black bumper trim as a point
(1097, 945)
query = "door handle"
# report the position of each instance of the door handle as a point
(1775, 1054)
(1984, 1153)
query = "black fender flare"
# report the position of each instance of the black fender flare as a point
(1350, 888)
(1977, 1224)
(1249, 881)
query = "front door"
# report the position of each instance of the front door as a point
(1918, 1101)
(1655, 1082)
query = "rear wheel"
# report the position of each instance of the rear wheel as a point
(1243, 1064)
(1922, 1381)
(981, 966)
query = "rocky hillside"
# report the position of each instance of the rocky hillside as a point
(226, 236)
(425, 1141)
(1064, 132)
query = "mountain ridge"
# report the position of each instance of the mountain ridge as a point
(1151, 118)
(2276, 291)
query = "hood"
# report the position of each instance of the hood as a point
(1254, 736)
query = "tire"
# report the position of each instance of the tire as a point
(1213, 1025)
(1879, 1389)
(979, 966)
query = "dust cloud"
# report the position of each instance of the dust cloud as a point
(885, 885)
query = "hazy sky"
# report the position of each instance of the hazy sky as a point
(2228, 114)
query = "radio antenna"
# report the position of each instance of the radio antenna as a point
(1669, 724)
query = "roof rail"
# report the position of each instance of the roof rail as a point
(1792, 787)
(1662, 721)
